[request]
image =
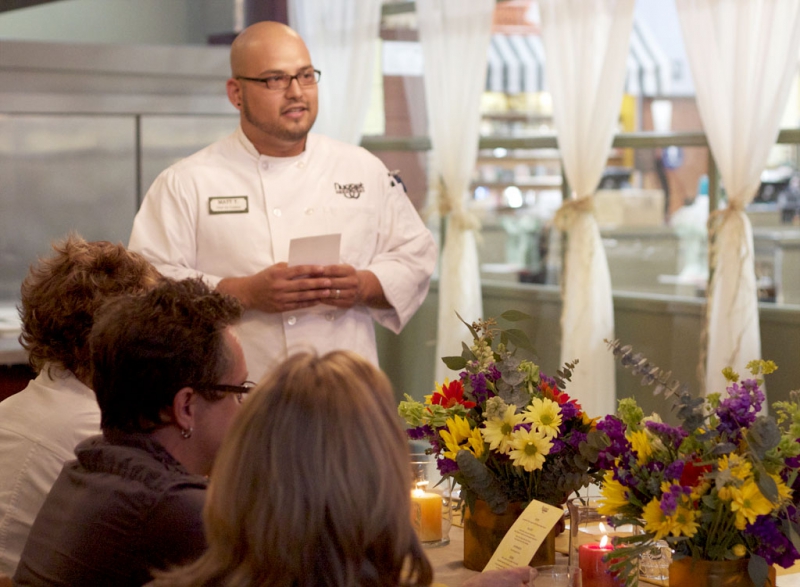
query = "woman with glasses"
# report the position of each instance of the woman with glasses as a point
(311, 487)
(168, 372)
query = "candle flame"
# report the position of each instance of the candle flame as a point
(421, 485)
(603, 528)
(604, 541)
(417, 492)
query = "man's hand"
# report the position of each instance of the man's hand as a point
(350, 288)
(281, 288)
(515, 577)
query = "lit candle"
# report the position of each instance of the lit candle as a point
(595, 572)
(426, 515)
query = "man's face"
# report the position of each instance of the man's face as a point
(277, 121)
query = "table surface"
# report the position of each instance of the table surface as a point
(449, 569)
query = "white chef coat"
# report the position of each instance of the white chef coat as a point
(39, 429)
(228, 211)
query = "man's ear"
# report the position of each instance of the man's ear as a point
(183, 408)
(234, 89)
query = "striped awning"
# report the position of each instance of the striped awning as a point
(517, 64)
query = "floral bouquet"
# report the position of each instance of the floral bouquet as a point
(503, 431)
(721, 486)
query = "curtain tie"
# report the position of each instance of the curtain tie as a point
(571, 209)
(463, 220)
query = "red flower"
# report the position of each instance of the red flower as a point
(451, 394)
(692, 473)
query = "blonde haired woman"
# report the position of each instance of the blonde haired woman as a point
(311, 486)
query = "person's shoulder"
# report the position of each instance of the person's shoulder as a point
(213, 154)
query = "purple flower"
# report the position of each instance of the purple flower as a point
(568, 411)
(615, 429)
(674, 470)
(669, 501)
(575, 439)
(493, 373)
(772, 544)
(740, 408)
(670, 435)
(446, 466)
(419, 432)
(476, 382)
(558, 446)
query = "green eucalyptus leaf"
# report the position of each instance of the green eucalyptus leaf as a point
(469, 326)
(519, 339)
(467, 353)
(767, 487)
(454, 363)
(482, 481)
(514, 316)
(758, 569)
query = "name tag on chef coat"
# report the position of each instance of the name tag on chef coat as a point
(228, 205)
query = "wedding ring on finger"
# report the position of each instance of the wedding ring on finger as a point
(337, 294)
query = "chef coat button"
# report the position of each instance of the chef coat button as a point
(329, 317)
(309, 211)
(277, 211)
(301, 164)
(291, 320)
(265, 165)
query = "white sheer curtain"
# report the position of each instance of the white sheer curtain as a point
(743, 56)
(342, 37)
(455, 42)
(586, 43)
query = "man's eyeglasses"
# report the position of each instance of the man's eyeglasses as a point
(281, 81)
(239, 390)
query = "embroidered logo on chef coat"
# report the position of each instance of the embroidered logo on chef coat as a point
(228, 205)
(350, 190)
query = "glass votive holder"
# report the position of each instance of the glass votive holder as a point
(431, 510)
(654, 562)
(590, 541)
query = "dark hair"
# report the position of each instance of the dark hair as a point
(61, 294)
(146, 348)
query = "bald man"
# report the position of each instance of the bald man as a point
(229, 212)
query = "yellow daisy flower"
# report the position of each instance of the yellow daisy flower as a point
(529, 449)
(700, 490)
(684, 522)
(545, 415)
(460, 436)
(642, 444)
(740, 468)
(615, 496)
(655, 520)
(747, 502)
(497, 431)
(784, 491)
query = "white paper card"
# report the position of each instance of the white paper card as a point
(315, 250)
(523, 538)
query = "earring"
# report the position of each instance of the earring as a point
(187, 432)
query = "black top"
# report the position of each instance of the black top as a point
(126, 506)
